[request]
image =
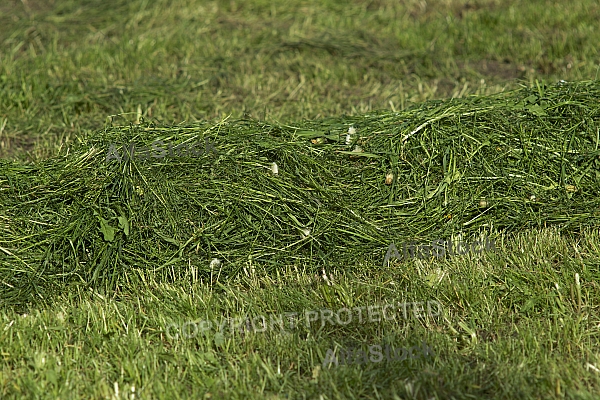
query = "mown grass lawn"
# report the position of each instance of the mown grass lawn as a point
(460, 128)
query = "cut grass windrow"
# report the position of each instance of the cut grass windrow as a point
(514, 161)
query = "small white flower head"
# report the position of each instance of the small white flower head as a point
(577, 279)
(274, 169)
(351, 131)
(305, 233)
(325, 278)
(389, 177)
(357, 149)
(532, 197)
(215, 263)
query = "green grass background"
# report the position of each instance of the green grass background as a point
(516, 324)
(67, 65)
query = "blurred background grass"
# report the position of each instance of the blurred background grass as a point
(67, 65)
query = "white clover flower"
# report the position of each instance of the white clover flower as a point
(274, 169)
(351, 131)
(215, 263)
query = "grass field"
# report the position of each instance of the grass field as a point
(337, 129)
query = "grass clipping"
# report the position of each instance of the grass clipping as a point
(312, 194)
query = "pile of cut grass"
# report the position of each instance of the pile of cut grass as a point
(531, 154)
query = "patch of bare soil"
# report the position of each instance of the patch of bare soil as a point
(10, 147)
